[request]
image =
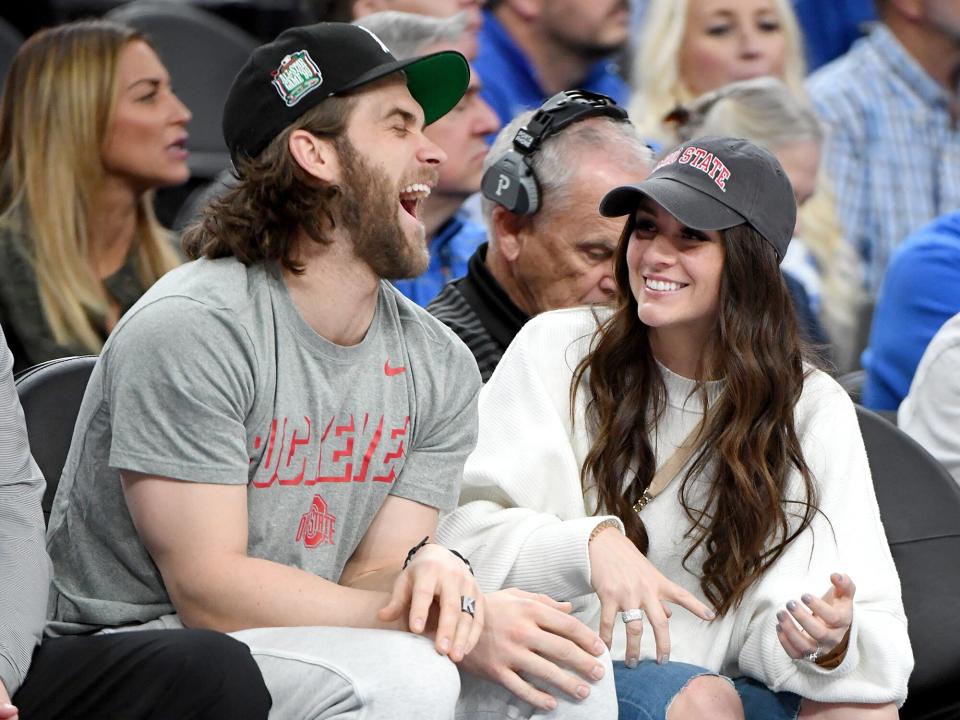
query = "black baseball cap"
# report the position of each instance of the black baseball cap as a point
(304, 66)
(714, 183)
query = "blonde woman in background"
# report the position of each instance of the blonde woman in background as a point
(89, 126)
(765, 111)
(689, 47)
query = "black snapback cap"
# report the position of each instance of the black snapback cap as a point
(714, 183)
(304, 66)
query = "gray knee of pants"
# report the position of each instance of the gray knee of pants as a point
(352, 674)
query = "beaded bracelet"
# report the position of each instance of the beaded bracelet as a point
(601, 526)
(416, 548)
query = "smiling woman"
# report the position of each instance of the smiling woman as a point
(680, 468)
(89, 125)
(690, 47)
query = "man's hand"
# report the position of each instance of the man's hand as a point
(435, 573)
(7, 710)
(625, 580)
(536, 636)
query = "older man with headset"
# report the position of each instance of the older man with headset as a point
(547, 245)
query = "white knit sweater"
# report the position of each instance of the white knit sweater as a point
(524, 522)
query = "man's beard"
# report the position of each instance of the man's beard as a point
(368, 213)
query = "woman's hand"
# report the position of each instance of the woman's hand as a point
(824, 622)
(437, 575)
(625, 580)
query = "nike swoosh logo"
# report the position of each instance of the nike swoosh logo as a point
(391, 371)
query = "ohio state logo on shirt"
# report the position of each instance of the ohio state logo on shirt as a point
(316, 525)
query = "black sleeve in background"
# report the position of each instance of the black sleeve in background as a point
(144, 675)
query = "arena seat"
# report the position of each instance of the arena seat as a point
(920, 508)
(853, 382)
(50, 394)
(10, 41)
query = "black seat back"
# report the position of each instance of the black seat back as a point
(50, 394)
(853, 382)
(920, 507)
(10, 41)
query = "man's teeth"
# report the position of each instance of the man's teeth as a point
(416, 190)
(663, 285)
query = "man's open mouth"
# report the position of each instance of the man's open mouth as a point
(412, 196)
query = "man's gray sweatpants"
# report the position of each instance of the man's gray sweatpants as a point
(334, 673)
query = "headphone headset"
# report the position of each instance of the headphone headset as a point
(511, 181)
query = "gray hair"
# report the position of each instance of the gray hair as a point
(556, 162)
(762, 110)
(406, 34)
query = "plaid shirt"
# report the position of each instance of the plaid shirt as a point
(893, 150)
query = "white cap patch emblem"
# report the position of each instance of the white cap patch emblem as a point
(297, 76)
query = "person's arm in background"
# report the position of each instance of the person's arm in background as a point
(921, 291)
(24, 565)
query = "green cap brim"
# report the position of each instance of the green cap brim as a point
(438, 82)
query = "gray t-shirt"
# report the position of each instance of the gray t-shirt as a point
(214, 377)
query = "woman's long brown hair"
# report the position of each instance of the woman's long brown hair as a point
(750, 443)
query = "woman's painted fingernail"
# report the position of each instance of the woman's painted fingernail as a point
(792, 605)
(780, 615)
(630, 663)
(711, 615)
(807, 598)
(663, 659)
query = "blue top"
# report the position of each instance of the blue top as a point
(920, 293)
(510, 82)
(892, 151)
(450, 249)
(830, 27)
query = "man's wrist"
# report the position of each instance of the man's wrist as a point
(416, 548)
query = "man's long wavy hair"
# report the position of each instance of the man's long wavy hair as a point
(749, 445)
(258, 217)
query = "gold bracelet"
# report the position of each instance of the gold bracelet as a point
(836, 656)
(601, 526)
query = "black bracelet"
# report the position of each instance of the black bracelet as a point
(414, 550)
(467, 562)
